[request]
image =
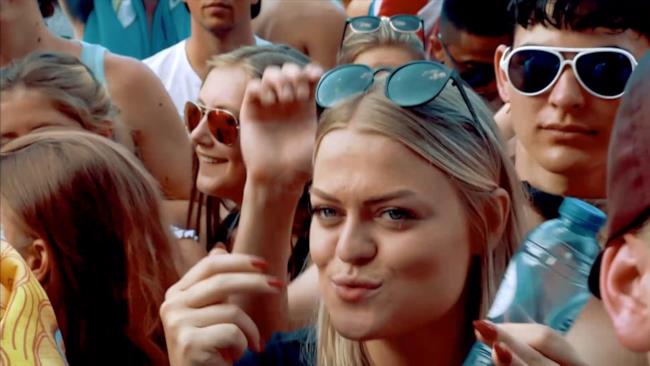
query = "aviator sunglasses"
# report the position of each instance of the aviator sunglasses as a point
(223, 124)
(410, 85)
(601, 71)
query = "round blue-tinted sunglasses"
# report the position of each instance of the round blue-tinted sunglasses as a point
(410, 85)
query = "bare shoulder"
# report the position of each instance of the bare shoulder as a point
(136, 90)
(594, 339)
(128, 73)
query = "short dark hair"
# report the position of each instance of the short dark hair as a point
(488, 18)
(47, 7)
(580, 15)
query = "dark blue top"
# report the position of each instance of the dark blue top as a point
(284, 349)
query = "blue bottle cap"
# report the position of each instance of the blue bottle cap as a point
(583, 214)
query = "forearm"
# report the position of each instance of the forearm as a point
(265, 230)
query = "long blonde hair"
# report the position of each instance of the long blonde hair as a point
(356, 43)
(111, 252)
(470, 154)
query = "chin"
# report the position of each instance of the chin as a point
(357, 327)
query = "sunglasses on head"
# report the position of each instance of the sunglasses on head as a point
(410, 85)
(223, 124)
(403, 23)
(601, 71)
(477, 75)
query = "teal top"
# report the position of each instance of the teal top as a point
(121, 26)
(92, 55)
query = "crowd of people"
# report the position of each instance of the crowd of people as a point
(315, 182)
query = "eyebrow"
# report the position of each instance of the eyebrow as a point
(403, 193)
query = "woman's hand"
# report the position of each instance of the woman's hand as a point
(526, 344)
(278, 125)
(201, 327)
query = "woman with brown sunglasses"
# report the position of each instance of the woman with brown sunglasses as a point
(219, 170)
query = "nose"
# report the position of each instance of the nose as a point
(567, 92)
(355, 245)
(201, 134)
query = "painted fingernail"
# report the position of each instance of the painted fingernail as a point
(261, 345)
(259, 263)
(503, 353)
(274, 282)
(488, 331)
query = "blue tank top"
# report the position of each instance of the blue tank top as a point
(92, 55)
(121, 26)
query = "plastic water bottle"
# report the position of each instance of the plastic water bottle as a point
(546, 280)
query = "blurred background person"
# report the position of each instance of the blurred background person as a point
(622, 278)
(217, 28)
(313, 27)
(144, 105)
(466, 36)
(382, 46)
(86, 217)
(135, 28)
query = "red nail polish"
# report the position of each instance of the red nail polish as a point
(503, 353)
(487, 330)
(274, 282)
(260, 264)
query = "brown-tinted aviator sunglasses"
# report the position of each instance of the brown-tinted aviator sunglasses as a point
(222, 123)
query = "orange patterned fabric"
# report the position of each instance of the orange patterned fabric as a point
(29, 334)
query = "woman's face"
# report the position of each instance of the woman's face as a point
(26, 110)
(384, 56)
(389, 236)
(221, 168)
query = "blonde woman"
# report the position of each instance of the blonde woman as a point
(383, 46)
(145, 107)
(416, 214)
(56, 90)
(86, 217)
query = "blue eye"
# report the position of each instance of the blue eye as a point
(324, 212)
(396, 214)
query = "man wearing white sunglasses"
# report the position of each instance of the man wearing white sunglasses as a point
(563, 79)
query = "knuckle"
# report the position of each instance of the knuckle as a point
(543, 337)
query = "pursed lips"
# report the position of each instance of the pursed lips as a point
(569, 128)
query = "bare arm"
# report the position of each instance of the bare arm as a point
(322, 42)
(147, 109)
(304, 298)
(278, 125)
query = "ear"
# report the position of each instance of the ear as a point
(38, 260)
(109, 132)
(434, 48)
(502, 78)
(623, 272)
(497, 211)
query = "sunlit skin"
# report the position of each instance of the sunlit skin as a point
(221, 168)
(24, 111)
(384, 56)
(219, 16)
(384, 216)
(557, 161)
